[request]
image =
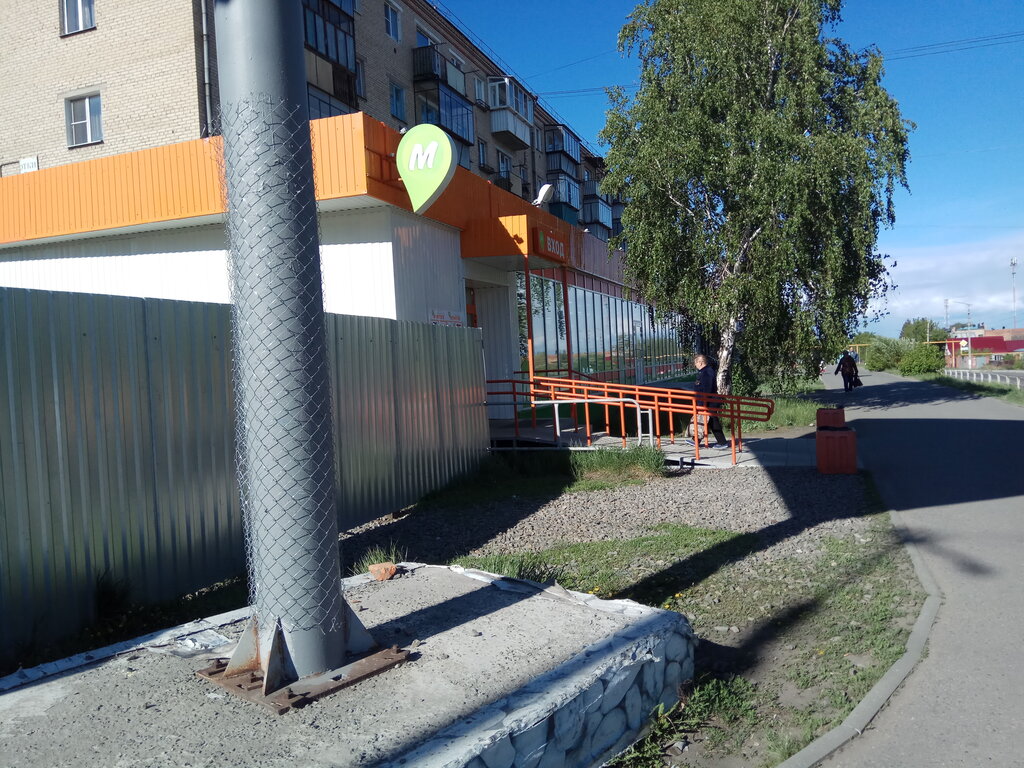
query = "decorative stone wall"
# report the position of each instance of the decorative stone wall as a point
(582, 713)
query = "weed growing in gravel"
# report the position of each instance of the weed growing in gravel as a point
(388, 554)
(607, 468)
(725, 708)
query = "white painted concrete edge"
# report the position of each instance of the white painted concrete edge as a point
(152, 640)
(857, 721)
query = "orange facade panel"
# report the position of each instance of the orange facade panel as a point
(176, 181)
(354, 155)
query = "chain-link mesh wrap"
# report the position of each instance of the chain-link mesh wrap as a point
(285, 445)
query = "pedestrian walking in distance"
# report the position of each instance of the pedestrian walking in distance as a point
(848, 367)
(706, 383)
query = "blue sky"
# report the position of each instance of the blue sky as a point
(964, 216)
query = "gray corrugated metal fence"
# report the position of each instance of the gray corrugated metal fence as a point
(117, 443)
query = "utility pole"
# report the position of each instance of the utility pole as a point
(1013, 282)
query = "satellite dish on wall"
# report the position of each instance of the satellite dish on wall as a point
(544, 194)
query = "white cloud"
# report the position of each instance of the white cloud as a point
(974, 273)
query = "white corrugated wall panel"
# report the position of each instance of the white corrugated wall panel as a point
(188, 264)
(428, 268)
(357, 263)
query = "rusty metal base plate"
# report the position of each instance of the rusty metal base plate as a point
(249, 685)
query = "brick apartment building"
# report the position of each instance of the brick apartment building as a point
(110, 127)
(82, 79)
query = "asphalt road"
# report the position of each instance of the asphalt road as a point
(951, 467)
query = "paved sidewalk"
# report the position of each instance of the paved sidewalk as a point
(951, 467)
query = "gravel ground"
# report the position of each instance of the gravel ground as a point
(792, 509)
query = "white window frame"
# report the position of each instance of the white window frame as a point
(394, 87)
(480, 90)
(393, 27)
(360, 78)
(81, 6)
(93, 113)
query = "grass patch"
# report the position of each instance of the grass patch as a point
(981, 389)
(607, 468)
(617, 568)
(789, 412)
(388, 554)
(547, 474)
(789, 646)
(529, 565)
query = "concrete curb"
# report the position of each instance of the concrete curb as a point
(857, 721)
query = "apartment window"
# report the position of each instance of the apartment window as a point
(398, 102)
(422, 38)
(78, 15)
(322, 104)
(504, 165)
(479, 91)
(360, 79)
(481, 153)
(505, 92)
(330, 31)
(82, 116)
(392, 21)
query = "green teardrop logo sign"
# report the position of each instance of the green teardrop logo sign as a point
(426, 162)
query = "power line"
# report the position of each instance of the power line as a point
(914, 52)
(985, 38)
(574, 63)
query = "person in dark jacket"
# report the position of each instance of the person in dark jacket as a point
(708, 384)
(848, 367)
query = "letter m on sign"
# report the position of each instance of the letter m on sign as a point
(421, 158)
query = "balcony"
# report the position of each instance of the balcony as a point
(429, 64)
(567, 190)
(560, 139)
(596, 211)
(509, 128)
(592, 189)
(560, 163)
(440, 105)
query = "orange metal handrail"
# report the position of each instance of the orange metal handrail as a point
(660, 400)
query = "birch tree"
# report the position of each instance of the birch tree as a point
(758, 160)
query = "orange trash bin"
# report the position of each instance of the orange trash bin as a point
(831, 417)
(837, 451)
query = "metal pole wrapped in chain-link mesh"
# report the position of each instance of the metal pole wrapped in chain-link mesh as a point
(285, 444)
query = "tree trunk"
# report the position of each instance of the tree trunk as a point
(726, 348)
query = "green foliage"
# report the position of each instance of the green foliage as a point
(760, 157)
(922, 358)
(885, 354)
(865, 337)
(923, 329)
